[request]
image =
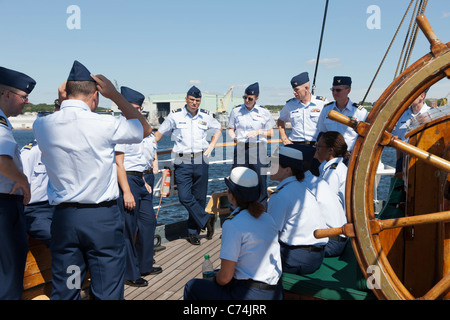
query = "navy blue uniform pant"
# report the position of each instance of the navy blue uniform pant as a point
(334, 248)
(88, 238)
(139, 246)
(38, 217)
(297, 260)
(14, 248)
(191, 177)
(253, 156)
(202, 289)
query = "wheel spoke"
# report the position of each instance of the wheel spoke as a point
(439, 289)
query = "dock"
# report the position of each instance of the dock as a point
(180, 262)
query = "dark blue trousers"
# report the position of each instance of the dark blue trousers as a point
(300, 261)
(201, 289)
(253, 156)
(335, 248)
(191, 177)
(14, 248)
(139, 246)
(88, 238)
(38, 217)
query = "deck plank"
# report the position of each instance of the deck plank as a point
(180, 262)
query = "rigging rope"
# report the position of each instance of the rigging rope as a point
(313, 88)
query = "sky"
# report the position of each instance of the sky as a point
(162, 47)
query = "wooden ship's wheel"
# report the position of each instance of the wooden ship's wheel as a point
(407, 257)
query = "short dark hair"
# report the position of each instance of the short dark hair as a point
(336, 141)
(255, 208)
(84, 88)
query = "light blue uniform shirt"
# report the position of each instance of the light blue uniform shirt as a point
(189, 132)
(335, 173)
(78, 151)
(297, 213)
(303, 118)
(405, 121)
(243, 121)
(138, 156)
(10, 148)
(352, 111)
(253, 244)
(34, 169)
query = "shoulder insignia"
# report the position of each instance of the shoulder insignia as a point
(357, 106)
(3, 121)
(204, 111)
(237, 106)
(30, 145)
(321, 98)
(334, 166)
(290, 100)
(329, 103)
(176, 110)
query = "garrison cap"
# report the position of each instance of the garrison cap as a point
(299, 79)
(244, 183)
(79, 73)
(252, 89)
(132, 96)
(16, 80)
(194, 92)
(340, 80)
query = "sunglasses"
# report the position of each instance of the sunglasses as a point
(248, 98)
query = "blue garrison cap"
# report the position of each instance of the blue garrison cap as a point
(16, 80)
(79, 73)
(252, 89)
(346, 81)
(132, 96)
(299, 79)
(195, 92)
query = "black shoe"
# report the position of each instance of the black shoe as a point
(193, 239)
(137, 283)
(210, 226)
(156, 270)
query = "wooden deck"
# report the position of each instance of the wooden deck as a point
(180, 262)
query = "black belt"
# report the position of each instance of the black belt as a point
(338, 238)
(307, 248)
(7, 196)
(189, 154)
(40, 203)
(248, 145)
(135, 173)
(257, 284)
(65, 205)
(308, 143)
(148, 171)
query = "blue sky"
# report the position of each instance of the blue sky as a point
(159, 47)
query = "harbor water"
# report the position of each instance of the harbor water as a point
(175, 213)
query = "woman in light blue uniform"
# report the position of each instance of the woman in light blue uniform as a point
(250, 125)
(297, 214)
(331, 151)
(250, 252)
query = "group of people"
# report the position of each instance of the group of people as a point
(86, 183)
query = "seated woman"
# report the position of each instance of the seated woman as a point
(250, 252)
(331, 151)
(297, 214)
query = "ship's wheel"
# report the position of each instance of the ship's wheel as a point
(374, 240)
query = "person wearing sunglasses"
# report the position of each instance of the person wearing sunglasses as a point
(14, 188)
(250, 125)
(342, 104)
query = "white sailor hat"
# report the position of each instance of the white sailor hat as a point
(288, 157)
(244, 183)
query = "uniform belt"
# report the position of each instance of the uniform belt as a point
(308, 143)
(135, 173)
(7, 196)
(337, 238)
(65, 205)
(190, 154)
(307, 248)
(257, 284)
(40, 203)
(148, 171)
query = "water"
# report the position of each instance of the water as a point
(177, 212)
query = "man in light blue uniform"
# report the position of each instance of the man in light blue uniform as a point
(78, 151)
(136, 203)
(250, 125)
(342, 104)
(189, 126)
(14, 188)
